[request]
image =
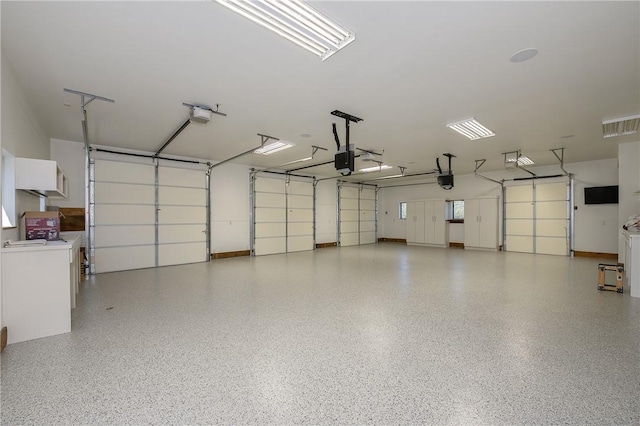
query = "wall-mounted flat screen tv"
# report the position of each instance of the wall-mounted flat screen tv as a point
(601, 195)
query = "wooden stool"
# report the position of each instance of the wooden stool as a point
(619, 269)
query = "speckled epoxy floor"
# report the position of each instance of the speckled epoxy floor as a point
(382, 334)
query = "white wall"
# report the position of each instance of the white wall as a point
(326, 211)
(70, 158)
(230, 208)
(596, 226)
(629, 160)
(22, 136)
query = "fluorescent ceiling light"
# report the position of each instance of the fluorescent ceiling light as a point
(297, 22)
(522, 160)
(471, 129)
(272, 147)
(620, 126)
(375, 168)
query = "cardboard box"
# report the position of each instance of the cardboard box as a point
(42, 225)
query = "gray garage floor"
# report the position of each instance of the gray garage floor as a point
(374, 334)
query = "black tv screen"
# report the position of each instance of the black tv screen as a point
(601, 195)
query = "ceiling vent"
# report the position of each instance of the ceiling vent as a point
(620, 126)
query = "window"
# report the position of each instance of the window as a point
(8, 191)
(457, 210)
(402, 210)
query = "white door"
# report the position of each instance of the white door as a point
(182, 215)
(519, 218)
(367, 215)
(299, 215)
(124, 215)
(538, 218)
(553, 218)
(270, 216)
(415, 222)
(488, 223)
(283, 215)
(349, 216)
(472, 223)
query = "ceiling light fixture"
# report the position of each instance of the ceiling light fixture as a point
(515, 159)
(471, 129)
(297, 22)
(273, 147)
(375, 168)
(524, 55)
(620, 126)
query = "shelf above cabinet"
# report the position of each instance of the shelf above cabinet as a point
(41, 176)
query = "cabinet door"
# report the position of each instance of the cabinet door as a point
(429, 219)
(472, 223)
(488, 232)
(411, 222)
(439, 235)
(419, 216)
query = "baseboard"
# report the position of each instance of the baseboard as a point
(456, 245)
(3, 339)
(227, 254)
(326, 245)
(595, 255)
(392, 240)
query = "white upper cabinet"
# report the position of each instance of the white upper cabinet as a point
(42, 176)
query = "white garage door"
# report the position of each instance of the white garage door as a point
(282, 215)
(124, 215)
(357, 215)
(182, 215)
(538, 218)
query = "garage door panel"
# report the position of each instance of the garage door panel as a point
(349, 192)
(519, 211)
(369, 205)
(348, 204)
(367, 227)
(368, 194)
(367, 237)
(551, 245)
(269, 185)
(115, 171)
(182, 215)
(123, 193)
(270, 200)
(367, 215)
(111, 214)
(346, 227)
(300, 188)
(182, 196)
(349, 239)
(300, 202)
(300, 243)
(180, 254)
(300, 229)
(552, 228)
(519, 194)
(173, 176)
(263, 246)
(111, 236)
(270, 215)
(519, 244)
(519, 227)
(552, 192)
(124, 258)
(551, 210)
(268, 230)
(182, 233)
(349, 215)
(300, 215)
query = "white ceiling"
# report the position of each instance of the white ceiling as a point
(414, 67)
